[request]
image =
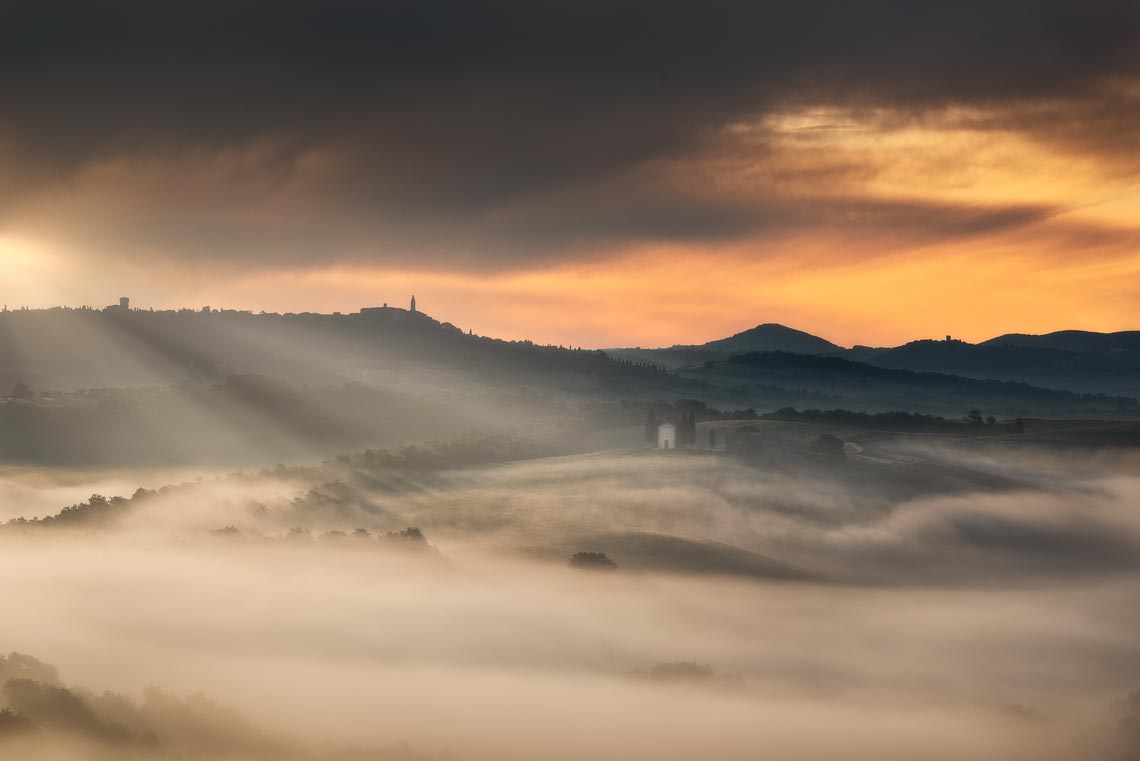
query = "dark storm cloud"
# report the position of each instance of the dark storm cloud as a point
(448, 120)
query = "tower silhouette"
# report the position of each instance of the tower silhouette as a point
(413, 306)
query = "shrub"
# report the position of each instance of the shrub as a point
(592, 561)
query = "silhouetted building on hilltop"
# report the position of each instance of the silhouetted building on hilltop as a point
(390, 311)
(384, 311)
(124, 305)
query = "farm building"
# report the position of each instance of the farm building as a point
(666, 436)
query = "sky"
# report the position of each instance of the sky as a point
(610, 173)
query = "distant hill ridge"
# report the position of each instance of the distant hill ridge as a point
(64, 349)
(1077, 360)
(1070, 340)
(772, 336)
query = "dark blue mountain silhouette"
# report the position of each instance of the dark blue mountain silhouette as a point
(771, 336)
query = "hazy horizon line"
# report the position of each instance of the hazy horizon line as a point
(209, 309)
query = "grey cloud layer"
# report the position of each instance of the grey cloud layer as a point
(503, 132)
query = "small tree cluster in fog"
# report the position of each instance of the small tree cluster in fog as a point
(13, 724)
(20, 666)
(1128, 712)
(828, 446)
(33, 704)
(411, 537)
(22, 391)
(1020, 713)
(677, 672)
(592, 561)
(97, 512)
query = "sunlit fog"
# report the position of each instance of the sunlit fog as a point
(584, 380)
(400, 554)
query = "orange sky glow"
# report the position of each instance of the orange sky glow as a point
(854, 278)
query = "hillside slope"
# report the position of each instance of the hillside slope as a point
(839, 382)
(68, 349)
(771, 336)
(1087, 362)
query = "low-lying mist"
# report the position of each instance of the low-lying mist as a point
(952, 606)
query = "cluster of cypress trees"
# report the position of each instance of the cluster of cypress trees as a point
(687, 430)
(631, 363)
(651, 428)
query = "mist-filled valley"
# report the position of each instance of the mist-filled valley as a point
(564, 590)
(373, 536)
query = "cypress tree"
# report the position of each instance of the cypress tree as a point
(651, 428)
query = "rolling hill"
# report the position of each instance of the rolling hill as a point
(1078, 341)
(1076, 360)
(771, 336)
(69, 349)
(838, 382)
